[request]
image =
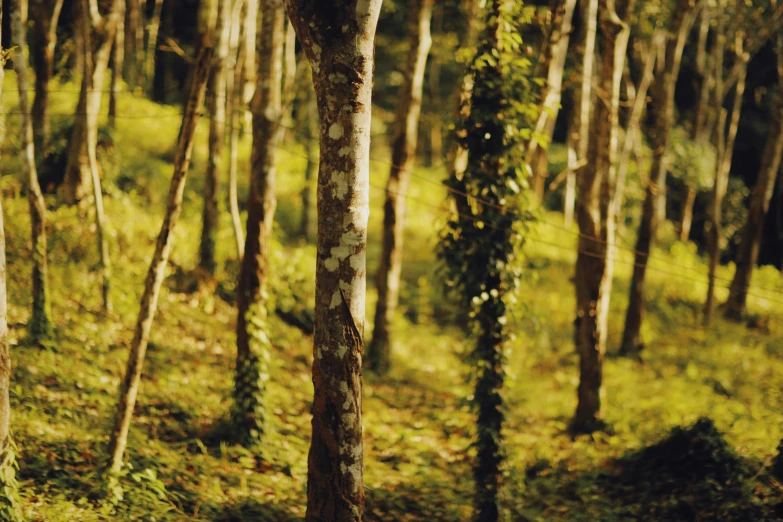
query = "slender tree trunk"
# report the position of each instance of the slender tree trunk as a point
(579, 128)
(289, 78)
(545, 126)
(596, 219)
(402, 157)
(335, 489)
(757, 212)
(311, 145)
(233, 102)
(40, 325)
(77, 172)
(134, 41)
(249, 69)
(662, 112)
(130, 385)
(45, 15)
(117, 59)
(435, 124)
(686, 218)
(216, 104)
(253, 339)
(714, 225)
(153, 27)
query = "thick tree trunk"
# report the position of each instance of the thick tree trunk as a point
(338, 40)
(662, 113)
(579, 127)
(686, 217)
(216, 105)
(253, 338)
(45, 14)
(403, 154)
(757, 212)
(311, 145)
(563, 11)
(40, 326)
(149, 302)
(77, 172)
(595, 213)
(714, 224)
(153, 27)
(117, 60)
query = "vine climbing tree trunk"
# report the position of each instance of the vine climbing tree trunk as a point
(403, 154)
(253, 337)
(40, 325)
(45, 15)
(118, 438)
(338, 40)
(596, 217)
(662, 115)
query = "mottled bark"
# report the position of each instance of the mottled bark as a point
(253, 336)
(562, 11)
(311, 146)
(595, 214)
(748, 252)
(579, 127)
(662, 115)
(102, 27)
(216, 105)
(153, 27)
(338, 40)
(40, 326)
(149, 302)
(402, 156)
(714, 223)
(44, 14)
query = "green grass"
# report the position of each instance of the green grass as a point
(417, 423)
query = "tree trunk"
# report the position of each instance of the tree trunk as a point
(434, 121)
(253, 338)
(338, 40)
(563, 11)
(686, 218)
(289, 79)
(117, 60)
(595, 211)
(153, 28)
(249, 69)
(40, 325)
(134, 41)
(233, 102)
(216, 105)
(402, 157)
(45, 14)
(130, 385)
(662, 114)
(311, 145)
(77, 172)
(579, 128)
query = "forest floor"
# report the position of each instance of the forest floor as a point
(417, 421)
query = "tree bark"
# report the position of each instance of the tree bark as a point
(233, 102)
(714, 223)
(402, 157)
(130, 385)
(248, 76)
(338, 40)
(40, 325)
(216, 105)
(134, 41)
(253, 336)
(686, 218)
(153, 27)
(595, 211)
(563, 11)
(45, 15)
(579, 127)
(662, 115)
(117, 61)
(102, 28)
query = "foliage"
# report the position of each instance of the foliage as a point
(9, 486)
(691, 162)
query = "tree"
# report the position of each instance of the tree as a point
(579, 126)
(234, 90)
(747, 254)
(40, 324)
(338, 39)
(216, 105)
(596, 217)
(481, 237)
(134, 40)
(118, 438)
(117, 61)
(661, 113)
(44, 14)
(253, 336)
(562, 13)
(101, 26)
(153, 27)
(402, 157)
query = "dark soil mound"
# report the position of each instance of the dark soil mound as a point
(693, 475)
